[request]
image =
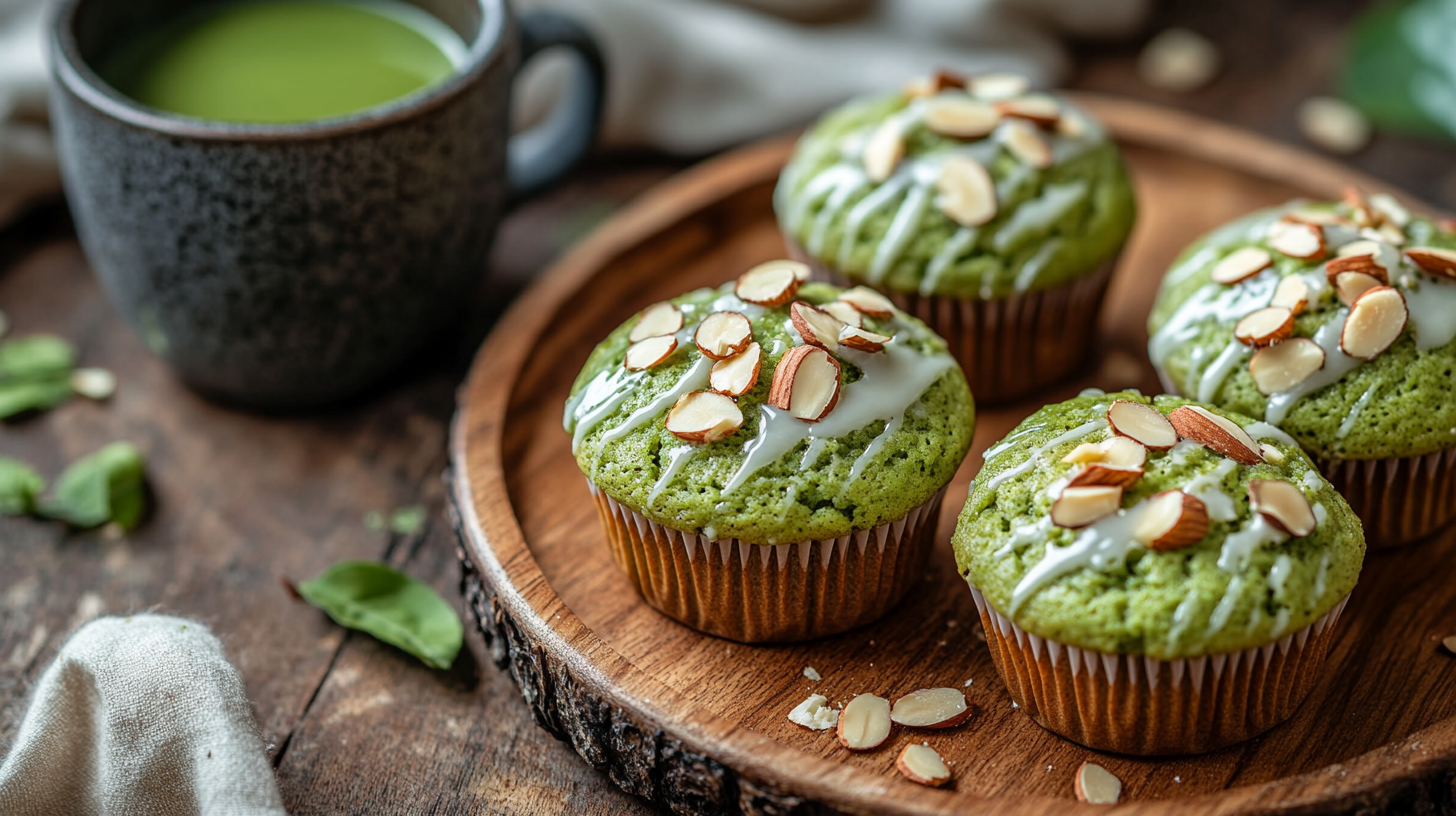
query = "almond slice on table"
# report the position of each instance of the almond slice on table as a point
(1284, 365)
(1026, 144)
(1434, 260)
(1377, 319)
(998, 86)
(1098, 473)
(1171, 520)
(868, 301)
(1349, 286)
(816, 326)
(772, 283)
(1292, 293)
(862, 339)
(1141, 423)
(704, 417)
(805, 383)
(1216, 433)
(931, 708)
(941, 80)
(1117, 451)
(883, 151)
(1363, 263)
(723, 334)
(967, 194)
(655, 321)
(1240, 265)
(814, 714)
(1297, 240)
(844, 313)
(1096, 785)
(1080, 506)
(1283, 504)
(920, 763)
(737, 375)
(1263, 326)
(648, 353)
(864, 724)
(1040, 110)
(960, 117)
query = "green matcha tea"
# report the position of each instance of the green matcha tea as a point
(285, 60)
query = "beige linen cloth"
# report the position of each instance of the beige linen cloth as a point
(139, 716)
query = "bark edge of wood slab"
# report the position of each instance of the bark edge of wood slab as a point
(562, 620)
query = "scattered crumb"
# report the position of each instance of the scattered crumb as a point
(968, 683)
(812, 674)
(952, 623)
(814, 714)
(1178, 779)
(1015, 704)
(1333, 124)
(93, 383)
(1179, 60)
(1450, 644)
(1049, 769)
(942, 643)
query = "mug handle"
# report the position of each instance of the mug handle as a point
(540, 156)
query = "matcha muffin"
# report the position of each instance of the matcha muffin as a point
(1336, 322)
(769, 457)
(1155, 577)
(991, 213)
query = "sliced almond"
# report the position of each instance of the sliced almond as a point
(1141, 423)
(844, 313)
(1390, 209)
(1377, 319)
(1360, 210)
(1292, 293)
(1040, 110)
(862, 339)
(1391, 234)
(1080, 506)
(1435, 260)
(1263, 326)
(1098, 473)
(648, 353)
(1324, 218)
(1449, 643)
(1349, 286)
(655, 321)
(883, 151)
(1096, 785)
(1117, 451)
(998, 86)
(1362, 263)
(931, 708)
(960, 117)
(1283, 504)
(967, 193)
(869, 302)
(723, 334)
(920, 763)
(931, 85)
(1271, 454)
(1364, 246)
(1285, 365)
(94, 383)
(772, 283)
(1072, 125)
(737, 375)
(1026, 144)
(1171, 520)
(1240, 265)
(864, 724)
(1297, 240)
(805, 383)
(702, 417)
(1216, 433)
(816, 326)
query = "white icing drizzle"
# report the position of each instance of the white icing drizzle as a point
(603, 395)
(1255, 618)
(836, 201)
(901, 230)
(694, 379)
(868, 206)
(1312, 483)
(1102, 546)
(678, 459)
(964, 239)
(1321, 576)
(791, 494)
(1179, 452)
(1239, 546)
(1208, 488)
(1223, 365)
(1037, 216)
(1279, 574)
(1031, 270)
(812, 452)
(1086, 429)
(1432, 305)
(1337, 365)
(824, 187)
(1213, 302)
(1225, 609)
(1182, 618)
(1281, 622)
(873, 449)
(1025, 534)
(1262, 430)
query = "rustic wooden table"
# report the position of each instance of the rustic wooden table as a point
(244, 500)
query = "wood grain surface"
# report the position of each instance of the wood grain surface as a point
(706, 717)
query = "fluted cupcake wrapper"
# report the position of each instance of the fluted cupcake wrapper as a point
(1398, 500)
(757, 593)
(1132, 704)
(1009, 347)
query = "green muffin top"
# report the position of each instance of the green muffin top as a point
(1086, 536)
(848, 413)
(1336, 322)
(972, 190)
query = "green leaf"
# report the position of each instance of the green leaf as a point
(399, 610)
(1398, 69)
(35, 374)
(407, 520)
(19, 486)
(107, 486)
(19, 396)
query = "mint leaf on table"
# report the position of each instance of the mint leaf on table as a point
(35, 374)
(407, 520)
(1398, 67)
(393, 607)
(107, 486)
(19, 487)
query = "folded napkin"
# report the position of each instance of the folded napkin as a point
(139, 716)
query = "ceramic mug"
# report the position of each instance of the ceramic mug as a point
(288, 265)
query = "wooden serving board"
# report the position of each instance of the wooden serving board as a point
(699, 723)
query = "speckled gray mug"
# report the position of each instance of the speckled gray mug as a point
(281, 266)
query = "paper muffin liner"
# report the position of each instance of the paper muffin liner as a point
(757, 593)
(1131, 704)
(1398, 500)
(1009, 347)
